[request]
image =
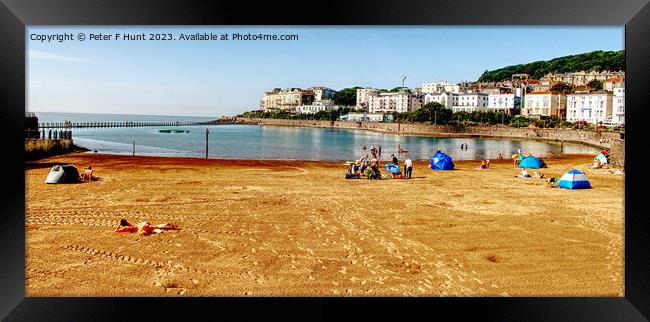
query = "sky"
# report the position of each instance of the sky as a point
(228, 77)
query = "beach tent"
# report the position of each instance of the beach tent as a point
(441, 161)
(521, 156)
(602, 158)
(531, 162)
(574, 179)
(392, 168)
(63, 174)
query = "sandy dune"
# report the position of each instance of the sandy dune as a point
(266, 228)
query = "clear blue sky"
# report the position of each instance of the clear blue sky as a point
(215, 78)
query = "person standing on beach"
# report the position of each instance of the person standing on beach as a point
(364, 163)
(395, 162)
(408, 167)
(380, 151)
(519, 150)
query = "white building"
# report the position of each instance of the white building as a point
(286, 100)
(503, 103)
(442, 86)
(363, 96)
(544, 103)
(400, 102)
(590, 107)
(447, 99)
(322, 93)
(469, 102)
(317, 106)
(618, 106)
(363, 117)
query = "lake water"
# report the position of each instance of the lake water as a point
(283, 143)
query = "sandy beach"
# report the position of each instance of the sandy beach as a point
(294, 228)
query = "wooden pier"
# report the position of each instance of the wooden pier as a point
(69, 125)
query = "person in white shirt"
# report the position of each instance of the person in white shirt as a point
(408, 167)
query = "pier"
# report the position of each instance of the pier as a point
(70, 125)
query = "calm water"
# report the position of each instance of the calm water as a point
(265, 142)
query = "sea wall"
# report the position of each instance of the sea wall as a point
(604, 140)
(38, 148)
(617, 151)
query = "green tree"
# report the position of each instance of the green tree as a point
(596, 60)
(432, 112)
(399, 88)
(595, 85)
(346, 96)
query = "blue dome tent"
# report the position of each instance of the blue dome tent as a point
(441, 161)
(392, 168)
(574, 179)
(531, 162)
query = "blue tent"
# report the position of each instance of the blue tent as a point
(393, 168)
(603, 159)
(441, 161)
(531, 162)
(574, 179)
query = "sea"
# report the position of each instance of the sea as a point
(283, 143)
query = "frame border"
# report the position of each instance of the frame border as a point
(15, 15)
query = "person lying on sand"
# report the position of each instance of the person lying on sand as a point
(483, 166)
(538, 175)
(551, 182)
(143, 228)
(524, 174)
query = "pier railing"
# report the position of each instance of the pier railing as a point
(67, 125)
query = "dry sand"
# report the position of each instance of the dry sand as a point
(292, 228)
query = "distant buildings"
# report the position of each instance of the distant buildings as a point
(592, 107)
(286, 100)
(618, 106)
(298, 100)
(507, 103)
(470, 102)
(583, 77)
(317, 106)
(322, 93)
(443, 86)
(520, 94)
(446, 99)
(363, 96)
(388, 102)
(364, 117)
(544, 103)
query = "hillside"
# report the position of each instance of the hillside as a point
(596, 60)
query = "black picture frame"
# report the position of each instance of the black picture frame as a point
(15, 15)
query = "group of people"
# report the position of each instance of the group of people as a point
(370, 168)
(360, 166)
